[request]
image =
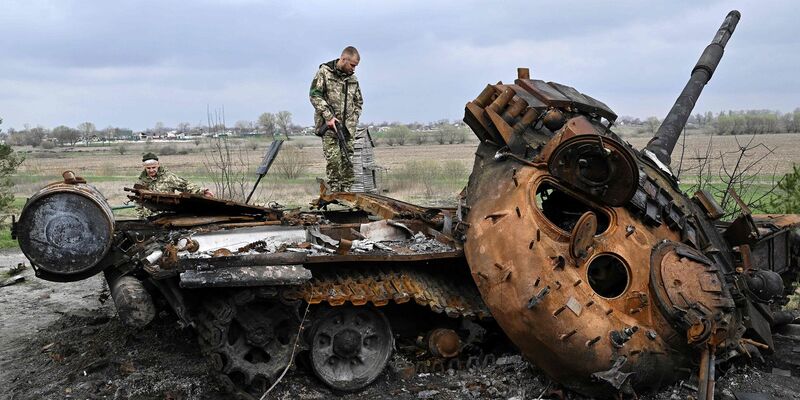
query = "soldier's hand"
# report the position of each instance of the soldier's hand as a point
(208, 193)
(332, 123)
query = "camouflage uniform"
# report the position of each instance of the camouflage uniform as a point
(336, 94)
(167, 182)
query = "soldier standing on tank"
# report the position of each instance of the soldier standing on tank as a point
(156, 178)
(336, 97)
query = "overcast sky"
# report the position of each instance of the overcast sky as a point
(133, 63)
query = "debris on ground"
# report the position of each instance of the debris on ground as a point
(12, 280)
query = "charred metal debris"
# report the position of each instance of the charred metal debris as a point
(582, 249)
(237, 273)
(588, 246)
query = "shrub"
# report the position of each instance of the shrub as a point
(786, 198)
(398, 134)
(9, 161)
(292, 162)
(168, 150)
(453, 170)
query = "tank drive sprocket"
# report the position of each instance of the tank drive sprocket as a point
(248, 337)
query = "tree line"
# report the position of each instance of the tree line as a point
(270, 124)
(731, 122)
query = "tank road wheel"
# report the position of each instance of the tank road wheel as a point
(248, 338)
(350, 346)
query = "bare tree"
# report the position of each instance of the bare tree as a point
(739, 171)
(87, 130)
(159, 128)
(266, 122)
(652, 124)
(292, 162)
(66, 135)
(183, 127)
(283, 121)
(228, 165)
(35, 136)
(741, 174)
(243, 126)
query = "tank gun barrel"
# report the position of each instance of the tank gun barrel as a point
(663, 142)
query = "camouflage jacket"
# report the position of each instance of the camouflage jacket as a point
(168, 182)
(165, 182)
(336, 94)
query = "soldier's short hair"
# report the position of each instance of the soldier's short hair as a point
(351, 51)
(149, 156)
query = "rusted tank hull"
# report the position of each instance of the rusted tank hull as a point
(544, 299)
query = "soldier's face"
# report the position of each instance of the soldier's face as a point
(348, 64)
(152, 169)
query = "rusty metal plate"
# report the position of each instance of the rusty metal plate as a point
(584, 102)
(582, 235)
(197, 205)
(531, 100)
(685, 289)
(544, 92)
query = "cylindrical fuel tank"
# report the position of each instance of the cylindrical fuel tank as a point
(65, 230)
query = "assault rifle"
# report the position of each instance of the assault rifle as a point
(342, 135)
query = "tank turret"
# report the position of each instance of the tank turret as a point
(589, 256)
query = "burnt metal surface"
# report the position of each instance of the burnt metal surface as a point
(522, 267)
(655, 283)
(439, 290)
(268, 275)
(382, 206)
(237, 273)
(584, 250)
(350, 346)
(668, 133)
(247, 336)
(197, 205)
(65, 230)
(601, 167)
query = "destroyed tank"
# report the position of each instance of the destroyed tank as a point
(582, 249)
(594, 262)
(260, 285)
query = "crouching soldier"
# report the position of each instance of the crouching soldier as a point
(156, 178)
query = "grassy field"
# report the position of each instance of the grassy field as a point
(428, 174)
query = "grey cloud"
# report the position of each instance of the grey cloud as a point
(132, 63)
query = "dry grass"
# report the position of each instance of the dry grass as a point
(110, 171)
(786, 150)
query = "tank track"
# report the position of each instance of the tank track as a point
(222, 319)
(242, 344)
(440, 290)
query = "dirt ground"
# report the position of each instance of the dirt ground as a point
(63, 341)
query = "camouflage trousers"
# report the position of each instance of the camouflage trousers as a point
(340, 166)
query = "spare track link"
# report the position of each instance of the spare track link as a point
(456, 296)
